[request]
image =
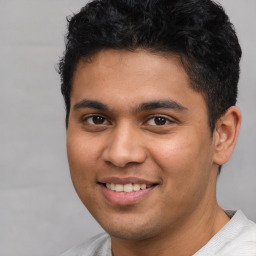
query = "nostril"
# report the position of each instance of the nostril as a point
(124, 159)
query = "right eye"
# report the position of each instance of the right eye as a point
(96, 120)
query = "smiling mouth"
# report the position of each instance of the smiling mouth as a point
(127, 188)
(126, 191)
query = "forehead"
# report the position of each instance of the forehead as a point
(118, 76)
(136, 62)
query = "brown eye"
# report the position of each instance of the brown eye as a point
(96, 120)
(160, 120)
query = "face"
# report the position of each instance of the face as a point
(139, 145)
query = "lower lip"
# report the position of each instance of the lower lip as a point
(123, 198)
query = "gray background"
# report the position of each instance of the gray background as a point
(40, 213)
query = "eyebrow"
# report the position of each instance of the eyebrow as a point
(164, 104)
(151, 105)
(85, 103)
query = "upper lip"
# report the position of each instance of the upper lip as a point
(126, 180)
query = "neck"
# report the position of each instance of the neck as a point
(185, 239)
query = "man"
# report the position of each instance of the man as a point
(150, 89)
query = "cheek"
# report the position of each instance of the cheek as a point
(184, 159)
(174, 152)
(186, 172)
(81, 151)
(81, 158)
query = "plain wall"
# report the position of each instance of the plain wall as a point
(40, 213)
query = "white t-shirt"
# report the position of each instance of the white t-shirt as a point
(236, 238)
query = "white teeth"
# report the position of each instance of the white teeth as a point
(143, 186)
(112, 186)
(136, 187)
(126, 188)
(119, 187)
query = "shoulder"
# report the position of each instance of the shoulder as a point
(97, 245)
(236, 238)
(243, 232)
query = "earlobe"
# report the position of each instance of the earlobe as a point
(225, 135)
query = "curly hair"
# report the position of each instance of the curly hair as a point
(198, 31)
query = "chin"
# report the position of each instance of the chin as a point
(135, 235)
(130, 230)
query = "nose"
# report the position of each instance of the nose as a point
(124, 147)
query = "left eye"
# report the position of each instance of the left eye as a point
(95, 120)
(158, 120)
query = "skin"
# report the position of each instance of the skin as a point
(181, 156)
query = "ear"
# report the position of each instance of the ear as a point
(225, 135)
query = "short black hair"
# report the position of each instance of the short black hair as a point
(198, 31)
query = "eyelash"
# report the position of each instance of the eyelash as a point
(85, 119)
(104, 119)
(165, 119)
